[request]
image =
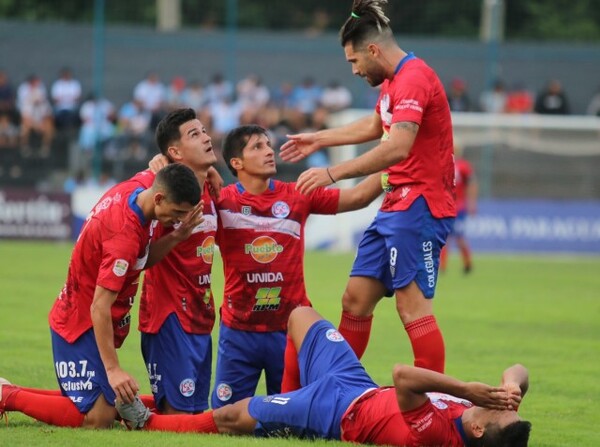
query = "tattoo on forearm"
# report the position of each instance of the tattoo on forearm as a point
(407, 125)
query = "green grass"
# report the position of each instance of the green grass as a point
(541, 311)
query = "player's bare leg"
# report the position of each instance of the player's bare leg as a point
(101, 415)
(416, 313)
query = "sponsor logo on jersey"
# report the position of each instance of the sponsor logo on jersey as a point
(120, 267)
(207, 250)
(246, 210)
(385, 182)
(280, 209)
(204, 280)
(187, 387)
(334, 335)
(439, 404)
(265, 277)
(224, 392)
(267, 298)
(263, 249)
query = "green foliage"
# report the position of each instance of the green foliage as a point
(531, 19)
(541, 311)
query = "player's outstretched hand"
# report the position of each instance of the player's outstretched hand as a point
(298, 146)
(158, 162)
(312, 179)
(123, 384)
(492, 397)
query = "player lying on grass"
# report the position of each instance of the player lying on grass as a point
(338, 400)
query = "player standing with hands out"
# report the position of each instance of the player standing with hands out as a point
(399, 252)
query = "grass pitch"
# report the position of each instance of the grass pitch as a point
(541, 311)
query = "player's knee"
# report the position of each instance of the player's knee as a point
(96, 420)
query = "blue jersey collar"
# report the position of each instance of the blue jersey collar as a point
(461, 430)
(404, 60)
(134, 206)
(241, 189)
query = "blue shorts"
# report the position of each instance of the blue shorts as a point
(403, 246)
(179, 366)
(241, 358)
(460, 223)
(331, 377)
(80, 372)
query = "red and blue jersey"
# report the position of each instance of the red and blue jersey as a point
(416, 94)
(181, 282)
(378, 420)
(110, 252)
(261, 239)
(463, 175)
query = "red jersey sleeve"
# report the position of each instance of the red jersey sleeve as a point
(430, 426)
(119, 256)
(410, 98)
(324, 201)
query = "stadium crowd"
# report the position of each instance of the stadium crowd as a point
(56, 124)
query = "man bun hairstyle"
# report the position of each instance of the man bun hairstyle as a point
(367, 21)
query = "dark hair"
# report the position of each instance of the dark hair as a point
(236, 140)
(178, 183)
(513, 435)
(366, 22)
(167, 130)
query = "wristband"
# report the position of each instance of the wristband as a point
(330, 176)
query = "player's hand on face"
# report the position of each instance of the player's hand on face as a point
(312, 179)
(194, 218)
(298, 147)
(492, 397)
(158, 162)
(514, 393)
(123, 384)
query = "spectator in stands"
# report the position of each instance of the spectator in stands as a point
(306, 98)
(175, 96)
(8, 98)
(97, 126)
(457, 96)
(253, 97)
(133, 122)
(594, 105)
(193, 96)
(36, 115)
(494, 100)
(151, 94)
(66, 94)
(219, 89)
(552, 100)
(519, 99)
(9, 132)
(336, 97)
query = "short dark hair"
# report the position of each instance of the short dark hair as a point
(366, 22)
(513, 435)
(178, 183)
(167, 130)
(236, 140)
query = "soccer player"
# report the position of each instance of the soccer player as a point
(339, 400)
(399, 252)
(177, 311)
(261, 240)
(466, 205)
(90, 318)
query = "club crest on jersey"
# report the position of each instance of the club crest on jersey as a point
(224, 392)
(187, 387)
(280, 209)
(334, 335)
(246, 210)
(120, 267)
